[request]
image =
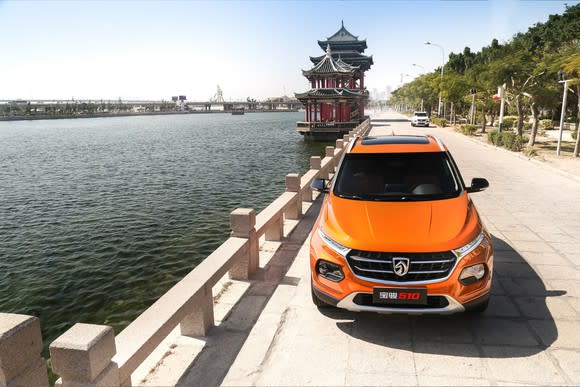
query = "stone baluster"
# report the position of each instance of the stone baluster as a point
(243, 224)
(294, 210)
(20, 348)
(82, 357)
(201, 318)
(328, 152)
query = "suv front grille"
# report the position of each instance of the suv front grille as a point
(422, 266)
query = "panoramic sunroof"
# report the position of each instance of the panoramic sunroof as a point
(395, 140)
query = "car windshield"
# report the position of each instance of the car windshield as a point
(397, 177)
(420, 114)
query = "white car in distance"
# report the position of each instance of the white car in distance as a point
(420, 119)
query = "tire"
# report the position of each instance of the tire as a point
(317, 301)
(412, 124)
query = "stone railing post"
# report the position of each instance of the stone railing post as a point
(201, 318)
(82, 356)
(329, 152)
(346, 138)
(20, 348)
(243, 224)
(315, 162)
(339, 144)
(294, 210)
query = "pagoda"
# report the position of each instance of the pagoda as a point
(335, 103)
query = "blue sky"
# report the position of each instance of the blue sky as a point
(155, 49)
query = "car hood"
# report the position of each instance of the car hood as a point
(419, 226)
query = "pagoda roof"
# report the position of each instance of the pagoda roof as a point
(352, 58)
(331, 92)
(329, 65)
(343, 38)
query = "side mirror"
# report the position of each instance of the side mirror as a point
(319, 185)
(478, 184)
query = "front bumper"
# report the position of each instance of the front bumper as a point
(454, 296)
(348, 303)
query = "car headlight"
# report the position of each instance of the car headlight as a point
(337, 247)
(468, 248)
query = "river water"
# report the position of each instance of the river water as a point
(99, 217)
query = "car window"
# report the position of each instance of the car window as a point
(421, 114)
(397, 176)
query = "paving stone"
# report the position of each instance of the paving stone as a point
(502, 306)
(558, 334)
(569, 362)
(370, 357)
(453, 380)
(354, 378)
(546, 308)
(514, 270)
(451, 360)
(521, 365)
(558, 272)
(495, 331)
(448, 329)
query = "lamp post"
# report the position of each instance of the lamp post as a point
(442, 65)
(418, 65)
(563, 114)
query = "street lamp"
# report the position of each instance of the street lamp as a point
(563, 114)
(442, 65)
(418, 65)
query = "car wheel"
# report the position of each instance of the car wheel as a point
(317, 301)
(412, 124)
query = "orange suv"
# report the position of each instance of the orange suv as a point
(398, 233)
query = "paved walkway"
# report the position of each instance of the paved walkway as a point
(529, 335)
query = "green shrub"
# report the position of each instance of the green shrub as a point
(546, 124)
(509, 122)
(509, 140)
(442, 122)
(492, 136)
(468, 130)
(527, 126)
(530, 151)
(574, 134)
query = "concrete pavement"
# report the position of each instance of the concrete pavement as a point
(529, 335)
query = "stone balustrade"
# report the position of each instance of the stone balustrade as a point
(91, 355)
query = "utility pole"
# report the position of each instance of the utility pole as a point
(442, 65)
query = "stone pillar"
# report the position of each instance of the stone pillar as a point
(346, 138)
(294, 210)
(276, 231)
(339, 144)
(315, 162)
(201, 319)
(82, 356)
(243, 222)
(20, 348)
(328, 152)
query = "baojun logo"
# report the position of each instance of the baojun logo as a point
(400, 266)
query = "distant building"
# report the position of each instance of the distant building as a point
(338, 95)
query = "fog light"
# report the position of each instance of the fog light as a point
(472, 274)
(329, 270)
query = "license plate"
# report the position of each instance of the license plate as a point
(400, 296)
